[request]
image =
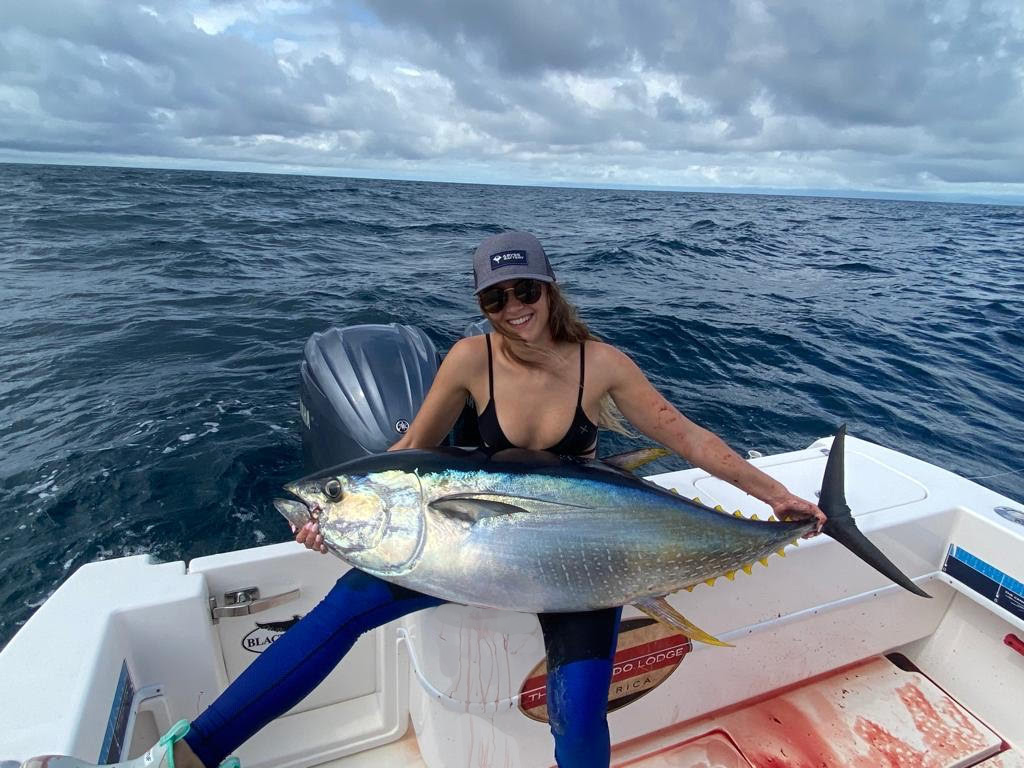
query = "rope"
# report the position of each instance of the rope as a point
(998, 474)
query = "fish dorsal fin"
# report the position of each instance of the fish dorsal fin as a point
(659, 610)
(633, 460)
(474, 507)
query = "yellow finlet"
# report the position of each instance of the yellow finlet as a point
(659, 609)
(763, 561)
(696, 500)
(773, 518)
(780, 552)
(633, 460)
(754, 516)
(710, 582)
(730, 575)
(795, 542)
(747, 569)
(675, 491)
(737, 513)
(689, 588)
(718, 508)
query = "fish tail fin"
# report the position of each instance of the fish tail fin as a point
(841, 526)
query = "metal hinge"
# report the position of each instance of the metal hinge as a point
(246, 601)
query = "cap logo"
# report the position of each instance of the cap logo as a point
(509, 259)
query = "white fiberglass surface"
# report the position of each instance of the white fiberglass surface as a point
(871, 486)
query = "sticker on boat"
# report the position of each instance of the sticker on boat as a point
(647, 653)
(266, 633)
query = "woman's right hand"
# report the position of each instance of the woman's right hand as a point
(309, 536)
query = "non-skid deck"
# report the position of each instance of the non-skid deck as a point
(875, 715)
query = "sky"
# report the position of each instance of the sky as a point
(903, 97)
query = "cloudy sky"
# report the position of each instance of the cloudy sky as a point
(905, 96)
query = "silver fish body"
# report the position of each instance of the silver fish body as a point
(523, 531)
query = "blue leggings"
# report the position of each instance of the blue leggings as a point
(580, 648)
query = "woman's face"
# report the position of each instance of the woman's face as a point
(527, 321)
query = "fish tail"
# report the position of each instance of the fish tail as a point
(841, 526)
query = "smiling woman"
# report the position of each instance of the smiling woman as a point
(533, 369)
(515, 264)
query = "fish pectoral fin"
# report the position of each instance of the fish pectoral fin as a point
(633, 460)
(659, 610)
(473, 509)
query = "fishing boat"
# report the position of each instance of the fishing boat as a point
(831, 664)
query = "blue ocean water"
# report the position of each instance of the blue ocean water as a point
(153, 323)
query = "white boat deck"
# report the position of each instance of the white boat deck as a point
(125, 648)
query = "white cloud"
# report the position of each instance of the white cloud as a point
(878, 95)
(219, 18)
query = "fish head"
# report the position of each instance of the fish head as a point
(372, 520)
(357, 516)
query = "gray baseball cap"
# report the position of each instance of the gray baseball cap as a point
(510, 256)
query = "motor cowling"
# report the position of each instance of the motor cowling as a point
(360, 388)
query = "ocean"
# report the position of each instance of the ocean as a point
(153, 323)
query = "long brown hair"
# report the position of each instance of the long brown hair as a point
(565, 326)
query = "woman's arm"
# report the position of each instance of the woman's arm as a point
(444, 401)
(647, 410)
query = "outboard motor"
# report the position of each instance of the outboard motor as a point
(359, 389)
(361, 386)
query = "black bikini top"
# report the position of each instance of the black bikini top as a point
(579, 440)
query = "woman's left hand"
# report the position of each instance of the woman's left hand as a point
(792, 507)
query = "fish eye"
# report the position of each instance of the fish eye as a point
(332, 489)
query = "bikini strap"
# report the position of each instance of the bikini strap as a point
(579, 401)
(490, 366)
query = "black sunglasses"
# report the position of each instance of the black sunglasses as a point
(494, 299)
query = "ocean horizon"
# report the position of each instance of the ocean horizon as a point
(191, 165)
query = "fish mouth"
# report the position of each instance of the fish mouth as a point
(295, 512)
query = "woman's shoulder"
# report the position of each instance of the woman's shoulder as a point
(470, 345)
(610, 364)
(470, 351)
(465, 362)
(605, 354)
